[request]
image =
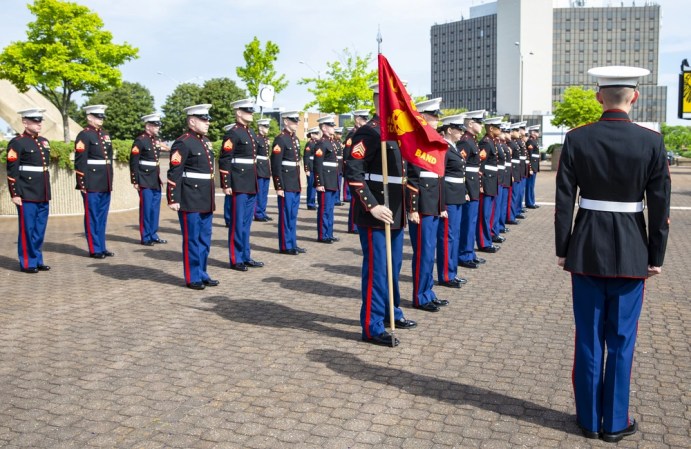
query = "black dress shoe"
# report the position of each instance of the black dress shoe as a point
(329, 241)
(353, 232)
(196, 286)
(617, 436)
(29, 270)
(498, 239)
(335, 239)
(311, 207)
(588, 433)
(520, 216)
(160, 241)
(461, 280)
(523, 210)
(150, 243)
(479, 260)
(338, 204)
(238, 267)
(504, 231)
(300, 250)
(429, 307)
(534, 206)
(467, 264)
(384, 339)
(265, 219)
(440, 302)
(42, 267)
(292, 251)
(451, 284)
(489, 249)
(210, 282)
(254, 264)
(269, 218)
(97, 256)
(512, 222)
(402, 323)
(108, 254)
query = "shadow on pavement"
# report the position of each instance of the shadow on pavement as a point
(175, 256)
(125, 272)
(311, 286)
(354, 271)
(123, 239)
(64, 248)
(271, 314)
(9, 264)
(454, 393)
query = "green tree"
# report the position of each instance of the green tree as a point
(345, 85)
(259, 67)
(126, 105)
(578, 107)
(677, 138)
(219, 92)
(66, 51)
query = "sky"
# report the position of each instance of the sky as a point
(194, 40)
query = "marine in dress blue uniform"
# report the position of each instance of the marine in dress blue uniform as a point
(227, 199)
(364, 175)
(615, 165)
(471, 153)
(263, 170)
(490, 184)
(533, 147)
(237, 165)
(517, 173)
(338, 143)
(28, 179)
(93, 166)
(360, 117)
(504, 164)
(145, 175)
(449, 232)
(425, 205)
(313, 136)
(326, 179)
(191, 193)
(285, 169)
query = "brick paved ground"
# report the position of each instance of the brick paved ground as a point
(116, 353)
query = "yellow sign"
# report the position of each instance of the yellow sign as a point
(685, 95)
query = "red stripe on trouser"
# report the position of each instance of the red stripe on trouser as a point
(231, 235)
(481, 221)
(282, 224)
(370, 276)
(445, 274)
(89, 240)
(186, 247)
(320, 218)
(491, 217)
(508, 203)
(141, 215)
(416, 275)
(22, 226)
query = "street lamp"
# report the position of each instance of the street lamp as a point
(520, 82)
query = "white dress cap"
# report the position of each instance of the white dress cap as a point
(453, 120)
(314, 130)
(31, 113)
(328, 120)
(263, 122)
(198, 109)
(429, 106)
(290, 114)
(534, 128)
(496, 121)
(618, 76)
(154, 118)
(246, 103)
(361, 113)
(475, 115)
(338, 130)
(95, 109)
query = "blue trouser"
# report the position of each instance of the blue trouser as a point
(530, 190)
(423, 238)
(149, 211)
(325, 213)
(96, 205)
(226, 209)
(288, 207)
(351, 209)
(340, 183)
(448, 242)
(262, 198)
(499, 210)
(241, 212)
(344, 186)
(33, 219)
(311, 191)
(196, 243)
(484, 225)
(466, 246)
(375, 291)
(606, 312)
(505, 207)
(516, 194)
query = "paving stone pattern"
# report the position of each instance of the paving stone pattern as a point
(116, 353)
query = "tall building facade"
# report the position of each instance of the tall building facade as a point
(518, 57)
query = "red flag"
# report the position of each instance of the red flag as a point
(420, 144)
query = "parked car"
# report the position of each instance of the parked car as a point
(672, 158)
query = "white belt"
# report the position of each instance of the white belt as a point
(454, 180)
(515, 161)
(611, 206)
(472, 169)
(242, 160)
(428, 174)
(330, 164)
(98, 162)
(151, 163)
(263, 158)
(32, 168)
(290, 163)
(534, 155)
(490, 168)
(379, 178)
(311, 158)
(197, 175)
(500, 167)
(339, 157)
(522, 158)
(508, 164)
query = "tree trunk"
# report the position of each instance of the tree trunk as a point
(65, 124)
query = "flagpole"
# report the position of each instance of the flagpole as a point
(387, 226)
